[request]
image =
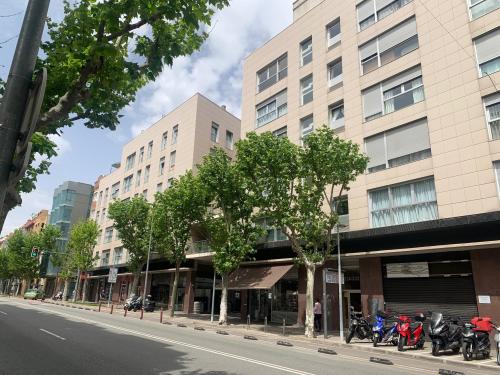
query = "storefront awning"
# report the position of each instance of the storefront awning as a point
(263, 277)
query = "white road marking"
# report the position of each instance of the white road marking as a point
(52, 334)
(1, 312)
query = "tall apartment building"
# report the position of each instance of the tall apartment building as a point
(37, 222)
(70, 204)
(416, 84)
(149, 163)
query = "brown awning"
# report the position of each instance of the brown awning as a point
(263, 277)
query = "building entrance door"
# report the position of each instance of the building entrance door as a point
(259, 304)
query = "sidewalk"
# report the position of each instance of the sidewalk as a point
(293, 335)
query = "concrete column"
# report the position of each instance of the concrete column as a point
(244, 304)
(372, 289)
(485, 266)
(189, 292)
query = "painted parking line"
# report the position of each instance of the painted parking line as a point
(4, 313)
(52, 334)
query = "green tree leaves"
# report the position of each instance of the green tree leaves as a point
(82, 240)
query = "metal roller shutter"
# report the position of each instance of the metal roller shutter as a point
(452, 296)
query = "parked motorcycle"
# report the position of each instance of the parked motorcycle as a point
(444, 335)
(149, 304)
(358, 326)
(383, 333)
(497, 340)
(134, 302)
(476, 338)
(58, 296)
(411, 333)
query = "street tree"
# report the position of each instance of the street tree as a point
(97, 58)
(299, 188)
(82, 240)
(132, 220)
(232, 222)
(175, 212)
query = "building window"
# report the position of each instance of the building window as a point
(389, 46)
(492, 106)
(402, 204)
(141, 155)
(335, 73)
(488, 52)
(371, 11)
(106, 195)
(150, 149)
(130, 162)
(273, 234)
(161, 166)
(98, 217)
(336, 115)
(108, 235)
(281, 132)
(103, 215)
(170, 181)
(175, 134)
(115, 190)
(306, 89)
(479, 8)
(159, 187)
(341, 206)
(164, 141)
(393, 94)
(138, 178)
(105, 258)
(99, 201)
(402, 145)
(306, 126)
(145, 194)
(214, 132)
(496, 165)
(118, 254)
(306, 51)
(271, 109)
(127, 184)
(172, 159)
(272, 73)
(229, 140)
(333, 33)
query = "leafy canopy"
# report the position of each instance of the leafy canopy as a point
(82, 240)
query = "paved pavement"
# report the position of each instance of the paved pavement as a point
(43, 339)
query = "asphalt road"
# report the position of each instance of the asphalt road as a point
(45, 339)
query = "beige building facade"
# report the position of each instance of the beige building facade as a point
(148, 164)
(416, 85)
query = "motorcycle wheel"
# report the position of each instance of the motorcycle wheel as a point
(395, 342)
(401, 343)
(376, 340)
(135, 309)
(421, 343)
(467, 351)
(349, 337)
(435, 349)
(456, 350)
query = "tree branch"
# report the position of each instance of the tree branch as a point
(133, 26)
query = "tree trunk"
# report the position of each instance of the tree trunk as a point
(65, 290)
(77, 286)
(309, 327)
(175, 289)
(135, 283)
(223, 300)
(84, 292)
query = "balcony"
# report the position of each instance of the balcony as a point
(199, 247)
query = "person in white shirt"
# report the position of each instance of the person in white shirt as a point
(318, 313)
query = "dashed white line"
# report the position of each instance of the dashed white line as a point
(4, 313)
(52, 334)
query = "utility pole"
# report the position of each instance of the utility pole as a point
(17, 89)
(339, 273)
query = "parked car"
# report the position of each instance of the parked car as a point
(33, 294)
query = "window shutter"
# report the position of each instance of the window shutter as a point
(381, 4)
(375, 149)
(407, 139)
(372, 101)
(368, 49)
(402, 78)
(398, 34)
(365, 10)
(492, 99)
(281, 98)
(488, 46)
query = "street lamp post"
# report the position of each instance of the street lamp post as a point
(147, 261)
(339, 273)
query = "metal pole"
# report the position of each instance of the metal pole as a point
(17, 87)
(213, 301)
(110, 293)
(341, 315)
(147, 265)
(325, 310)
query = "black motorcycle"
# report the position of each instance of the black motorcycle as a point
(358, 327)
(444, 335)
(58, 296)
(149, 304)
(133, 303)
(476, 338)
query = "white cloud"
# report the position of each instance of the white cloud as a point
(216, 71)
(63, 145)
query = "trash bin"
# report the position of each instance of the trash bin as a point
(197, 307)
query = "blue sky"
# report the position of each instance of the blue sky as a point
(215, 71)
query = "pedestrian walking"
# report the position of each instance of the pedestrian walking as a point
(318, 313)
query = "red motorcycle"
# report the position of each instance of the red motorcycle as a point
(411, 333)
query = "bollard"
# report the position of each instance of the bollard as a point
(111, 312)
(265, 324)
(283, 326)
(248, 321)
(142, 313)
(161, 315)
(125, 313)
(99, 307)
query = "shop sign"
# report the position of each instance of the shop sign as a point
(484, 299)
(403, 270)
(331, 277)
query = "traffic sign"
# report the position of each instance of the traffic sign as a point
(113, 274)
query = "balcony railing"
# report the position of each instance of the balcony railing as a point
(198, 247)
